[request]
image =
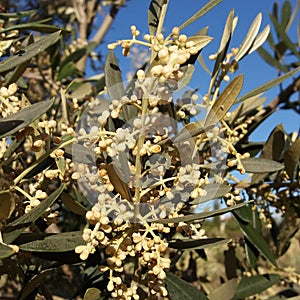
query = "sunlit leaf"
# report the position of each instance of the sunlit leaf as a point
(57, 242)
(179, 289)
(29, 51)
(261, 165)
(198, 244)
(23, 118)
(249, 39)
(15, 228)
(205, 9)
(291, 158)
(260, 39)
(224, 291)
(224, 102)
(266, 86)
(201, 216)
(256, 284)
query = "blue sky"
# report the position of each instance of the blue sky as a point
(255, 69)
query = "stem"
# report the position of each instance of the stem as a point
(162, 17)
(24, 193)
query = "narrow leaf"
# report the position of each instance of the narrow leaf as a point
(154, 13)
(291, 158)
(214, 191)
(284, 37)
(6, 251)
(286, 11)
(261, 165)
(260, 39)
(206, 8)
(60, 242)
(266, 86)
(269, 59)
(200, 216)
(256, 284)
(30, 51)
(224, 291)
(15, 228)
(179, 289)
(254, 236)
(198, 244)
(23, 118)
(251, 34)
(224, 102)
(113, 77)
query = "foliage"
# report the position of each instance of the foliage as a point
(102, 181)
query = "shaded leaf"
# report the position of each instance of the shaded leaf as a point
(284, 37)
(291, 158)
(154, 13)
(205, 9)
(254, 236)
(249, 39)
(224, 102)
(15, 228)
(213, 191)
(80, 153)
(35, 26)
(286, 11)
(249, 286)
(113, 77)
(23, 118)
(261, 165)
(92, 294)
(179, 289)
(73, 205)
(7, 205)
(29, 51)
(269, 59)
(200, 216)
(5, 251)
(198, 244)
(224, 291)
(266, 86)
(60, 242)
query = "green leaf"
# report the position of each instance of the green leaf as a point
(66, 71)
(205, 9)
(35, 26)
(154, 13)
(179, 289)
(254, 236)
(214, 191)
(30, 51)
(23, 118)
(18, 15)
(198, 244)
(249, 39)
(266, 86)
(224, 102)
(33, 283)
(58, 242)
(291, 158)
(73, 205)
(286, 11)
(80, 153)
(284, 37)
(200, 216)
(113, 77)
(5, 251)
(261, 165)
(269, 59)
(224, 291)
(256, 284)
(15, 228)
(92, 294)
